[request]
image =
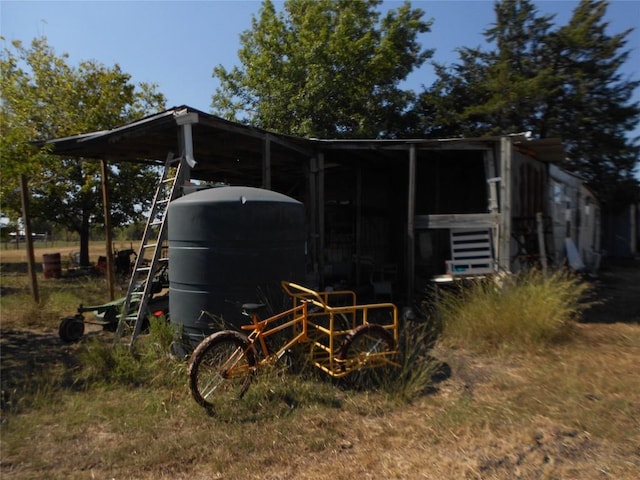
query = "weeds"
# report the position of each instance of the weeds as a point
(417, 368)
(527, 311)
(151, 361)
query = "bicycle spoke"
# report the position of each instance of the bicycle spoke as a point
(220, 369)
(365, 349)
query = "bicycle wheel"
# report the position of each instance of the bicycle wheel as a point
(361, 351)
(220, 369)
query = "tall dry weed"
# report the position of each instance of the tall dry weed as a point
(524, 311)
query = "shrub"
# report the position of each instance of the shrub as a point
(523, 311)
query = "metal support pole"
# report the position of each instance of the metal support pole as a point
(186, 119)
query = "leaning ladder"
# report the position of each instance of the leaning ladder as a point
(134, 309)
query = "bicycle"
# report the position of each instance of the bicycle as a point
(343, 339)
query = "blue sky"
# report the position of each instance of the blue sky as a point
(177, 44)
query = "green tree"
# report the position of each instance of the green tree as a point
(554, 82)
(592, 108)
(445, 109)
(44, 97)
(324, 68)
(516, 75)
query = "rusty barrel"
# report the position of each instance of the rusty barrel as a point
(51, 265)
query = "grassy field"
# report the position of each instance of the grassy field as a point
(562, 409)
(10, 253)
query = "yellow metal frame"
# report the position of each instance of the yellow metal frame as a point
(326, 337)
(295, 318)
(314, 320)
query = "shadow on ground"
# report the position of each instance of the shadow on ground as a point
(617, 291)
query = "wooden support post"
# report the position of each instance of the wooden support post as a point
(358, 225)
(541, 245)
(506, 158)
(321, 233)
(106, 208)
(266, 163)
(26, 219)
(313, 215)
(411, 211)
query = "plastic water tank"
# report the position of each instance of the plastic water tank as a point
(229, 246)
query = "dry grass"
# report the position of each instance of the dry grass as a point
(569, 410)
(10, 254)
(521, 312)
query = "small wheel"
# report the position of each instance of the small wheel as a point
(361, 351)
(71, 329)
(220, 369)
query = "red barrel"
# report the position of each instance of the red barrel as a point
(51, 265)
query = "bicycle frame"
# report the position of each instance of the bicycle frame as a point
(367, 339)
(260, 331)
(325, 340)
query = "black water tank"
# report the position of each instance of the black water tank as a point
(228, 246)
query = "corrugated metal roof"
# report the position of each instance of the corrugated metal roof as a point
(223, 146)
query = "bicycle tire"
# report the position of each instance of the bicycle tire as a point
(343, 321)
(356, 351)
(210, 383)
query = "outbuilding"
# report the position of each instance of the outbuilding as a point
(382, 216)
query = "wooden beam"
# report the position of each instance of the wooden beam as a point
(321, 220)
(266, 162)
(26, 219)
(358, 224)
(410, 239)
(106, 208)
(506, 158)
(312, 212)
(457, 220)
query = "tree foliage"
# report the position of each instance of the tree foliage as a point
(44, 97)
(324, 68)
(552, 81)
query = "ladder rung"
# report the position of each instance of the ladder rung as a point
(168, 180)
